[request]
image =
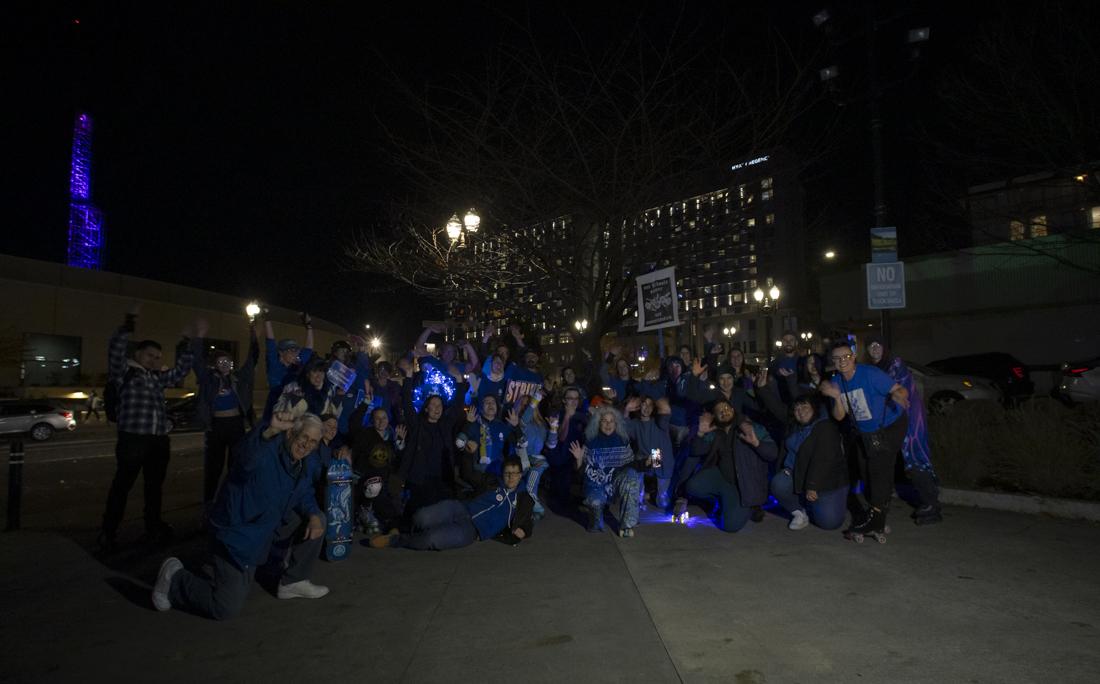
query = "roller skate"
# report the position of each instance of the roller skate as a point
(680, 511)
(595, 518)
(872, 525)
(368, 523)
(927, 515)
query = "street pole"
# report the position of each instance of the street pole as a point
(877, 168)
(15, 485)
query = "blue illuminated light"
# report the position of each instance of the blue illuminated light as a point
(434, 382)
(85, 220)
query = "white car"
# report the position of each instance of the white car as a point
(37, 418)
(941, 391)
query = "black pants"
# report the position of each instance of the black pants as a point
(479, 480)
(879, 451)
(223, 435)
(425, 494)
(134, 454)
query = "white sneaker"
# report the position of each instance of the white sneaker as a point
(303, 589)
(799, 520)
(169, 567)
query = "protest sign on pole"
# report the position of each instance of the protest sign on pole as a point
(658, 305)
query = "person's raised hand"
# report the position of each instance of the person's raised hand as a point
(471, 414)
(748, 434)
(401, 431)
(282, 421)
(513, 417)
(663, 407)
(697, 367)
(829, 389)
(577, 451)
(632, 405)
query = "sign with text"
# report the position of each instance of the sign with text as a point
(884, 244)
(657, 301)
(886, 285)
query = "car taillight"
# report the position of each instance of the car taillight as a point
(1074, 372)
(68, 415)
(1018, 371)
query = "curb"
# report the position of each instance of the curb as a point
(1020, 503)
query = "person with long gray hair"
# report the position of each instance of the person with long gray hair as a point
(610, 469)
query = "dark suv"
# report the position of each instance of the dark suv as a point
(1006, 371)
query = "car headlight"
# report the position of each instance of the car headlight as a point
(967, 383)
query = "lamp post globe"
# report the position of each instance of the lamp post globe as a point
(252, 309)
(774, 292)
(454, 228)
(471, 221)
(758, 295)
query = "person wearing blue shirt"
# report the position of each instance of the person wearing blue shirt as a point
(285, 360)
(267, 497)
(877, 405)
(503, 513)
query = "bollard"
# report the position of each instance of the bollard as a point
(15, 485)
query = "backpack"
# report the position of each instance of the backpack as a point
(112, 396)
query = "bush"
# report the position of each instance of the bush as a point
(1040, 447)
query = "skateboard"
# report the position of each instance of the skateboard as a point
(340, 479)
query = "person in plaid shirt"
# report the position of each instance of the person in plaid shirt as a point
(142, 426)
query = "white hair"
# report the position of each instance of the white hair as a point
(305, 421)
(599, 412)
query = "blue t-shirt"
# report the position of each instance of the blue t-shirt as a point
(867, 398)
(491, 388)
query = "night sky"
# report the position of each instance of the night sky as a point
(236, 147)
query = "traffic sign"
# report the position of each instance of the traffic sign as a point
(886, 285)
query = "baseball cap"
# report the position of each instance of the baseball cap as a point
(286, 344)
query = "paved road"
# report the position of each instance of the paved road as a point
(985, 597)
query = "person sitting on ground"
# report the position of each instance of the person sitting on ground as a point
(647, 425)
(812, 483)
(269, 480)
(375, 451)
(503, 513)
(735, 465)
(610, 469)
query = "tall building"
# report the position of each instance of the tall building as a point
(85, 220)
(724, 244)
(1034, 206)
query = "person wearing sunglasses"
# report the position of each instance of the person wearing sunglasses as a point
(878, 407)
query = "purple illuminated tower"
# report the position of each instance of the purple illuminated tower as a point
(85, 220)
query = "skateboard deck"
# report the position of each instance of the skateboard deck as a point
(340, 479)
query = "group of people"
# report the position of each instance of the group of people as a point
(469, 444)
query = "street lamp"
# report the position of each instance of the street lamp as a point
(253, 310)
(766, 301)
(581, 325)
(830, 254)
(367, 326)
(375, 342)
(471, 221)
(807, 337)
(454, 228)
(730, 331)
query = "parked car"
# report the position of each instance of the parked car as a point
(941, 391)
(37, 418)
(1080, 381)
(1008, 373)
(181, 414)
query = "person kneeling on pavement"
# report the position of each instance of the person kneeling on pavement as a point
(269, 481)
(504, 513)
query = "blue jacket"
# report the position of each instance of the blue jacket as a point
(494, 511)
(264, 485)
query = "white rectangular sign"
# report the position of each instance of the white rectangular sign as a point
(658, 305)
(886, 285)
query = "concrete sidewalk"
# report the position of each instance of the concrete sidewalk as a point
(985, 597)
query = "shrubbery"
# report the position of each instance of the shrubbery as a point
(1042, 447)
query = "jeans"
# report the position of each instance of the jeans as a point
(827, 512)
(222, 595)
(223, 435)
(441, 526)
(877, 465)
(626, 484)
(534, 474)
(425, 494)
(134, 454)
(709, 483)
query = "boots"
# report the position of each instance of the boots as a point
(872, 525)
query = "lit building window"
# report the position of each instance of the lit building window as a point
(751, 223)
(766, 183)
(1016, 230)
(766, 195)
(1095, 218)
(1038, 226)
(769, 219)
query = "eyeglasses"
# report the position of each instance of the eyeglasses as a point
(841, 359)
(512, 473)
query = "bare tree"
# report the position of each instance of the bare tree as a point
(561, 150)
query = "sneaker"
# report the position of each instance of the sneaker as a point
(383, 541)
(626, 532)
(302, 589)
(168, 568)
(799, 520)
